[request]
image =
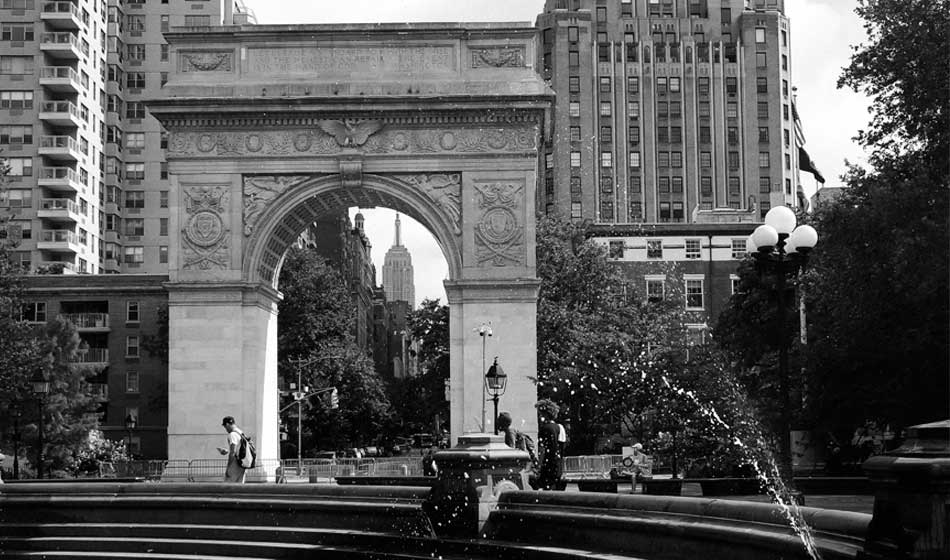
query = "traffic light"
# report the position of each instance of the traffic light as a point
(334, 399)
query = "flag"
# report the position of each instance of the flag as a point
(806, 164)
(804, 161)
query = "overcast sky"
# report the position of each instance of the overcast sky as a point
(821, 33)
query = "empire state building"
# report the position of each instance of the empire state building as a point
(397, 272)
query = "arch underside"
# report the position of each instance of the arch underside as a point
(314, 197)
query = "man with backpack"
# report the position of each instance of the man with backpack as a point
(516, 438)
(240, 452)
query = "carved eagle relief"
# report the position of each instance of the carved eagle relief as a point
(350, 133)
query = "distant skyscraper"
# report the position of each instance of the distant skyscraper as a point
(397, 272)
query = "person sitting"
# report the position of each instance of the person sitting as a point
(516, 438)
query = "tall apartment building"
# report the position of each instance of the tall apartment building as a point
(88, 184)
(673, 133)
(397, 271)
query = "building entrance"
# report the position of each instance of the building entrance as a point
(271, 127)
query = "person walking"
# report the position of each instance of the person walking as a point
(549, 446)
(234, 472)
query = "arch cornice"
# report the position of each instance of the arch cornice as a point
(306, 198)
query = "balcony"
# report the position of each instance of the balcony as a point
(62, 79)
(61, 15)
(61, 113)
(92, 356)
(63, 45)
(66, 266)
(62, 179)
(60, 147)
(59, 240)
(99, 391)
(89, 322)
(60, 210)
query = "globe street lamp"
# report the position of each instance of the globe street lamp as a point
(781, 250)
(130, 423)
(495, 382)
(40, 389)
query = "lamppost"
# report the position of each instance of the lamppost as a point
(484, 331)
(495, 382)
(40, 389)
(781, 250)
(130, 423)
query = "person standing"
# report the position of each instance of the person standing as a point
(234, 472)
(549, 446)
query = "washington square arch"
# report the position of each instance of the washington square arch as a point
(271, 127)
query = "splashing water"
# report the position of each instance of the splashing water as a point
(767, 474)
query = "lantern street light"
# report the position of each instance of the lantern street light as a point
(130, 423)
(495, 382)
(40, 389)
(781, 250)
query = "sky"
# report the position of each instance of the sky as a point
(821, 35)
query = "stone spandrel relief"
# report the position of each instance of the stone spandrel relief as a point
(260, 191)
(445, 189)
(206, 61)
(388, 140)
(206, 235)
(497, 57)
(499, 232)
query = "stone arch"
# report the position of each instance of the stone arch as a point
(302, 202)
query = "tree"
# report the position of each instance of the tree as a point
(314, 337)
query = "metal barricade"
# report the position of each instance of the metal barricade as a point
(175, 470)
(207, 470)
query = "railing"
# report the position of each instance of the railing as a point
(66, 265)
(59, 204)
(60, 8)
(59, 173)
(59, 142)
(92, 356)
(59, 72)
(59, 236)
(60, 107)
(88, 320)
(60, 38)
(100, 391)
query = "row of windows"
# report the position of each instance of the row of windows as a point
(693, 248)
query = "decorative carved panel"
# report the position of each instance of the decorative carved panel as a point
(373, 60)
(205, 241)
(497, 57)
(499, 232)
(445, 189)
(260, 191)
(206, 61)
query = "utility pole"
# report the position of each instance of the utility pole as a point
(484, 331)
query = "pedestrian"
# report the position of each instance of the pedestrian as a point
(234, 472)
(516, 438)
(549, 446)
(429, 466)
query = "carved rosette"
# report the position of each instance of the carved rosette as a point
(260, 191)
(499, 232)
(206, 236)
(497, 57)
(443, 188)
(391, 140)
(206, 61)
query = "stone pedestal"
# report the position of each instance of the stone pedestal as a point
(471, 476)
(912, 497)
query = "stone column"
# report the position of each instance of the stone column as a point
(222, 361)
(511, 308)
(912, 497)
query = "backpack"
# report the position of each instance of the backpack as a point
(247, 454)
(524, 442)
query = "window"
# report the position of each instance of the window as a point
(738, 250)
(705, 159)
(676, 134)
(676, 159)
(733, 160)
(164, 22)
(606, 184)
(163, 226)
(33, 312)
(606, 134)
(135, 23)
(163, 254)
(197, 21)
(601, 15)
(663, 135)
(663, 185)
(606, 159)
(786, 137)
(132, 346)
(734, 187)
(134, 255)
(615, 249)
(575, 159)
(702, 86)
(572, 34)
(605, 108)
(163, 54)
(135, 80)
(135, 110)
(662, 109)
(20, 167)
(18, 134)
(663, 159)
(763, 110)
(163, 199)
(136, 52)
(759, 35)
(764, 134)
(788, 161)
(131, 382)
(16, 99)
(661, 85)
(705, 187)
(654, 248)
(732, 86)
(784, 62)
(695, 335)
(163, 170)
(732, 110)
(574, 84)
(760, 60)
(633, 109)
(694, 293)
(635, 185)
(705, 136)
(575, 210)
(703, 110)
(765, 185)
(763, 159)
(16, 32)
(135, 140)
(16, 64)
(761, 84)
(605, 85)
(785, 112)
(633, 84)
(693, 249)
(676, 109)
(573, 59)
(635, 160)
(135, 171)
(655, 289)
(134, 227)
(132, 312)
(574, 109)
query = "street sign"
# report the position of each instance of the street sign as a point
(299, 395)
